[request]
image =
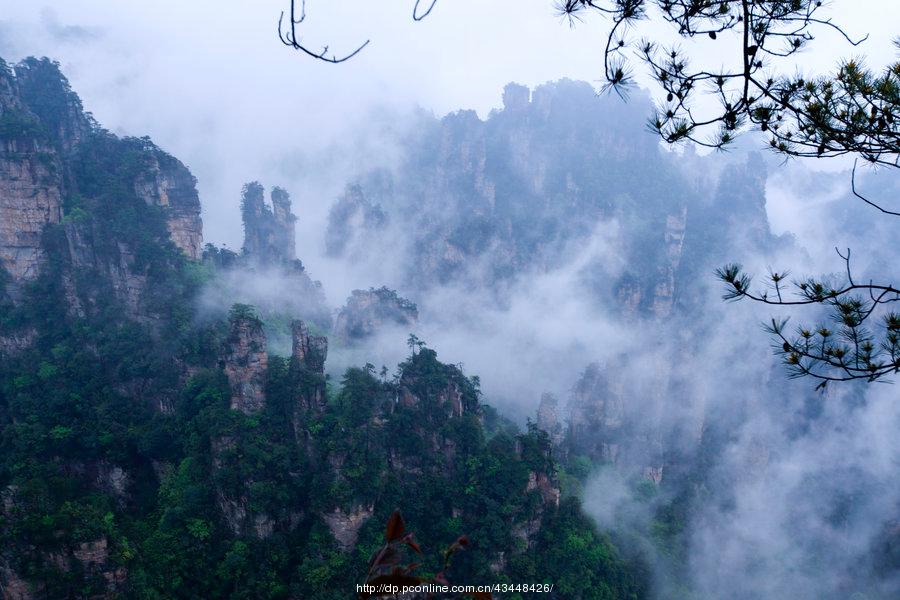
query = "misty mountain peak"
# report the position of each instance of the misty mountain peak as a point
(268, 230)
(515, 97)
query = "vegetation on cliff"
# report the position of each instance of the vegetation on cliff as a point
(127, 469)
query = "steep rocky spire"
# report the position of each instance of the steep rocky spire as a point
(268, 231)
(245, 361)
(309, 350)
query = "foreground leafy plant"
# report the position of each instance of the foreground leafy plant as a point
(386, 573)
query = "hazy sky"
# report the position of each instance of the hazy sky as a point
(211, 83)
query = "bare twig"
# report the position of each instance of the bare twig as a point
(419, 16)
(863, 198)
(288, 36)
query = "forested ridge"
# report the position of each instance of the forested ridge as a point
(151, 451)
(179, 420)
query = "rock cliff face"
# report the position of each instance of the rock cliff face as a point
(31, 170)
(13, 587)
(613, 419)
(43, 135)
(732, 216)
(344, 526)
(368, 311)
(45, 93)
(545, 486)
(598, 415)
(308, 350)
(92, 228)
(267, 274)
(516, 98)
(664, 293)
(167, 183)
(245, 361)
(87, 561)
(597, 400)
(29, 200)
(268, 230)
(478, 202)
(168, 453)
(449, 399)
(308, 356)
(353, 222)
(548, 418)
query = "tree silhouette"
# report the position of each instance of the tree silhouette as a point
(851, 112)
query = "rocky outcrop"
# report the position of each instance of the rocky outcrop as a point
(43, 134)
(548, 418)
(309, 351)
(94, 559)
(91, 559)
(267, 275)
(31, 173)
(597, 398)
(545, 486)
(268, 230)
(13, 587)
(437, 392)
(167, 183)
(664, 292)
(30, 198)
(281, 211)
(113, 480)
(654, 474)
(484, 201)
(92, 553)
(450, 398)
(369, 311)
(245, 361)
(308, 354)
(734, 217)
(351, 221)
(345, 525)
(614, 418)
(112, 263)
(41, 87)
(14, 342)
(629, 294)
(516, 97)
(597, 413)
(241, 522)
(233, 498)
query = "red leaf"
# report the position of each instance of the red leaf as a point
(412, 543)
(395, 527)
(463, 541)
(376, 558)
(387, 557)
